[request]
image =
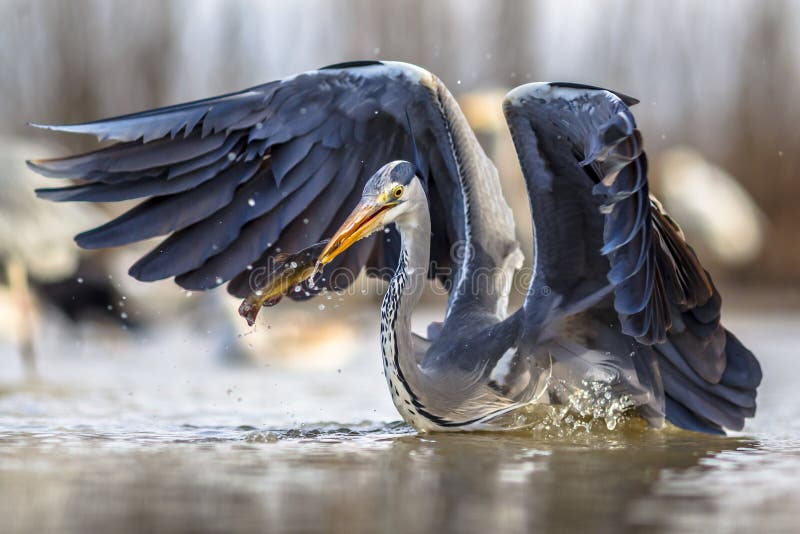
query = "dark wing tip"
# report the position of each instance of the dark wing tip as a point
(33, 164)
(44, 166)
(47, 166)
(48, 193)
(84, 240)
(352, 64)
(628, 100)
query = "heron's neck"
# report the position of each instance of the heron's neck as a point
(403, 374)
(411, 274)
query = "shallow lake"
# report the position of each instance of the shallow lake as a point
(153, 431)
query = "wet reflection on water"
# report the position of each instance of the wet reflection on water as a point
(374, 478)
(128, 439)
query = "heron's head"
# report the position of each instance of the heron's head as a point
(387, 196)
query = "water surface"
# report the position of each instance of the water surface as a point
(151, 432)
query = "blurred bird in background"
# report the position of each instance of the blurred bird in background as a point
(715, 211)
(41, 269)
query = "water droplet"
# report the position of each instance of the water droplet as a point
(293, 265)
(80, 280)
(188, 294)
(218, 280)
(231, 156)
(259, 125)
(123, 315)
(458, 82)
(305, 221)
(109, 307)
(251, 202)
(321, 307)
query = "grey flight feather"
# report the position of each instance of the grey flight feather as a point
(233, 179)
(599, 231)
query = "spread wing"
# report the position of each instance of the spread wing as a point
(233, 180)
(598, 230)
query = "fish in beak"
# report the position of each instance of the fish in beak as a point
(291, 270)
(366, 218)
(286, 273)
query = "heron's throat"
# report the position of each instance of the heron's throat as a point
(412, 269)
(403, 374)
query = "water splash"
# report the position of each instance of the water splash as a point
(582, 409)
(328, 432)
(598, 401)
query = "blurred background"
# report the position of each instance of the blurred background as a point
(717, 82)
(719, 77)
(168, 384)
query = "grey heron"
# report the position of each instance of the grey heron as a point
(618, 306)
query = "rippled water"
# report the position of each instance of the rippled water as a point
(149, 432)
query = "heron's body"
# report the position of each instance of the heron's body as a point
(618, 306)
(426, 395)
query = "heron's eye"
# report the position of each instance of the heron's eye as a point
(397, 192)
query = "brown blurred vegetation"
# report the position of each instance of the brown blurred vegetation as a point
(719, 76)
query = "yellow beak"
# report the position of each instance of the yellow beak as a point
(365, 219)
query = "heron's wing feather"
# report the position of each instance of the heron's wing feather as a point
(597, 229)
(235, 179)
